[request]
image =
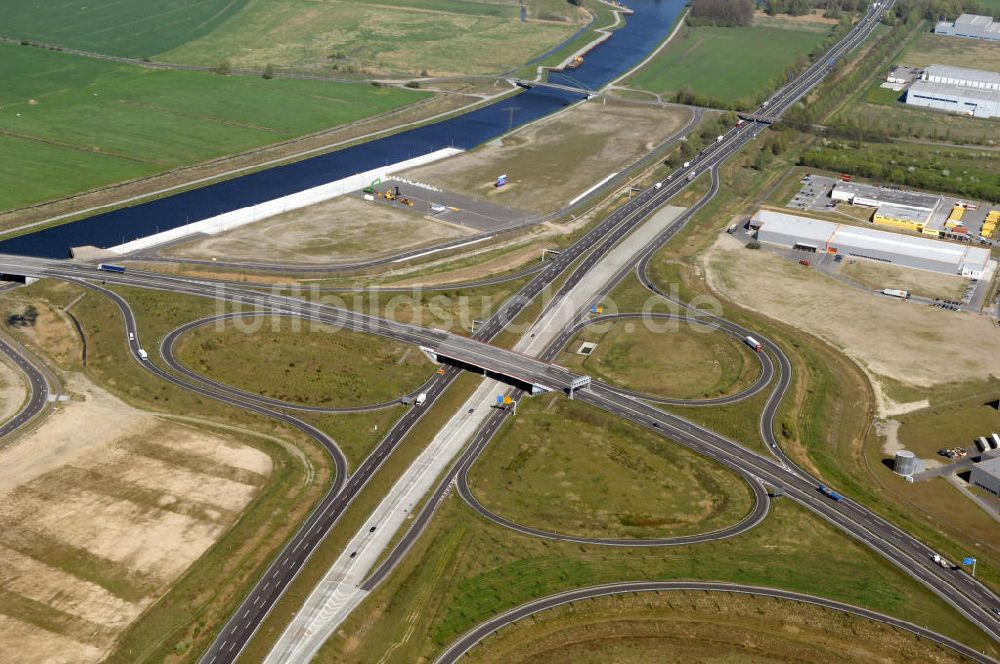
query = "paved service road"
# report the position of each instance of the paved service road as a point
(40, 386)
(470, 639)
(964, 593)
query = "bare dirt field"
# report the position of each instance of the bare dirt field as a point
(890, 338)
(550, 162)
(340, 229)
(919, 282)
(103, 507)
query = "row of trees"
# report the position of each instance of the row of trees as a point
(920, 170)
(725, 13)
(839, 85)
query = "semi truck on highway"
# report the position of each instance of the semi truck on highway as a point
(833, 495)
(108, 267)
(892, 292)
(938, 559)
(421, 399)
(753, 343)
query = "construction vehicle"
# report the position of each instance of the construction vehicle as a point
(405, 201)
(373, 187)
(803, 261)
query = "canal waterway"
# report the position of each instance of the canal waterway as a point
(642, 32)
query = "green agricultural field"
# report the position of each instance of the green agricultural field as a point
(406, 37)
(566, 467)
(69, 123)
(726, 64)
(132, 28)
(294, 361)
(666, 358)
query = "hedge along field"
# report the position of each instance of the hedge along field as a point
(132, 28)
(68, 123)
(726, 64)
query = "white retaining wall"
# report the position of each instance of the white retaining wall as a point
(324, 192)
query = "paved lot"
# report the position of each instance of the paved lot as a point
(458, 209)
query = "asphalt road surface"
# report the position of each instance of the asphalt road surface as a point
(966, 594)
(39, 386)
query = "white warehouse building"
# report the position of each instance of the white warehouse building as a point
(961, 76)
(972, 26)
(957, 90)
(986, 476)
(813, 235)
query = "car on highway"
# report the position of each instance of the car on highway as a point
(437, 208)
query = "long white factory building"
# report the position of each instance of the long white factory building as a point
(957, 90)
(813, 235)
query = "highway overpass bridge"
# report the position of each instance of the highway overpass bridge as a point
(527, 373)
(581, 90)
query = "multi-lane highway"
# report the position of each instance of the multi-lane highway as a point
(967, 595)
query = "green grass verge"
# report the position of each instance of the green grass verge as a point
(663, 357)
(300, 362)
(697, 627)
(567, 468)
(465, 570)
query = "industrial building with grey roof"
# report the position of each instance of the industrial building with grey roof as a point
(957, 90)
(986, 475)
(813, 235)
(972, 26)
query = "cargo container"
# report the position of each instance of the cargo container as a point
(803, 261)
